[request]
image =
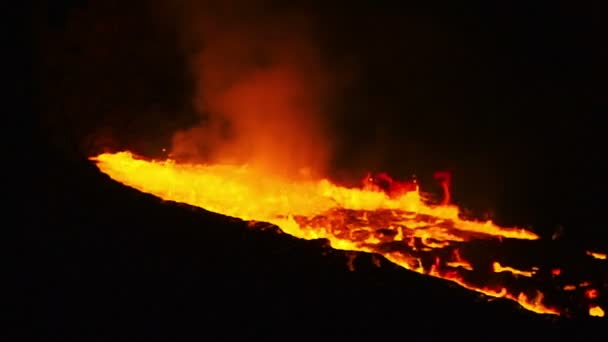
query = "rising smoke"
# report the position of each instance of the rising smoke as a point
(260, 88)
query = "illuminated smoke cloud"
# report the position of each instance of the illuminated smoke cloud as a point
(260, 89)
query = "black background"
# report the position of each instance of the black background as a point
(507, 97)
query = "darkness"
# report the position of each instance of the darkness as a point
(509, 98)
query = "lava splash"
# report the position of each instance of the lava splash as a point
(393, 219)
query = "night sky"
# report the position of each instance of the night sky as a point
(507, 97)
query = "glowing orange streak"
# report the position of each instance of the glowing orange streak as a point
(531, 304)
(601, 256)
(497, 267)
(535, 304)
(459, 262)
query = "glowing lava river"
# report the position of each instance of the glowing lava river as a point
(400, 224)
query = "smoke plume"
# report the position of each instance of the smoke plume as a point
(260, 88)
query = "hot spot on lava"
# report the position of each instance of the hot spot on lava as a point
(384, 216)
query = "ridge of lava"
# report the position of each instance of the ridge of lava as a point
(384, 216)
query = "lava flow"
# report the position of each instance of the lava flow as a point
(393, 219)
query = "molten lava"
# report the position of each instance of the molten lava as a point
(601, 256)
(390, 218)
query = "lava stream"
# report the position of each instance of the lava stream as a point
(400, 225)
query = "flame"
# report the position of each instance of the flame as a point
(499, 268)
(385, 217)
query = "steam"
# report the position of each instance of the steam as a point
(260, 89)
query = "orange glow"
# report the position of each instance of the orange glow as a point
(499, 268)
(591, 293)
(459, 262)
(601, 256)
(385, 217)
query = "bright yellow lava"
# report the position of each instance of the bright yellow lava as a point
(240, 192)
(596, 311)
(596, 255)
(348, 218)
